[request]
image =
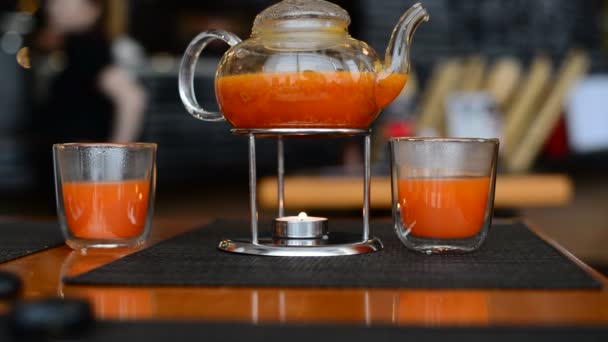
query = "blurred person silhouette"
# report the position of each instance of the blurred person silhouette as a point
(80, 94)
(90, 98)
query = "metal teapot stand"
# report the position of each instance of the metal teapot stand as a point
(302, 240)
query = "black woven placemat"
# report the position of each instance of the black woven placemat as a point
(512, 258)
(19, 239)
(222, 332)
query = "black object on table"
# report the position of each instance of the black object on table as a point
(50, 318)
(210, 332)
(513, 257)
(10, 286)
(19, 239)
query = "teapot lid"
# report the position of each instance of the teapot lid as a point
(299, 11)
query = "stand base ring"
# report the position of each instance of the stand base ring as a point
(270, 247)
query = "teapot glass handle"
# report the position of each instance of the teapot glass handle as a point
(188, 67)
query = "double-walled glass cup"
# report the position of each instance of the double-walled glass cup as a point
(443, 192)
(105, 193)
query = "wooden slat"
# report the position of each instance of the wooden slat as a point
(346, 193)
(473, 72)
(502, 80)
(576, 65)
(431, 113)
(522, 109)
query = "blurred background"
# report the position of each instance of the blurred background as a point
(532, 72)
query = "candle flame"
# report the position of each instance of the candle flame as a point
(302, 215)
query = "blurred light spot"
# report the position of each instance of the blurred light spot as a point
(28, 6)
(57, 61)
(23, 57)
(11, 42)
(162, 62)
(16, 22)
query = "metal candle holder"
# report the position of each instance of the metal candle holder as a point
(301, 237)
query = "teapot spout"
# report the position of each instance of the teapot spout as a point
(397, 59)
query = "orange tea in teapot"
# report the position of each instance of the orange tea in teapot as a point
(301, 69)
(306, 99)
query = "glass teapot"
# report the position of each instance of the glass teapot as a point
(301, 69)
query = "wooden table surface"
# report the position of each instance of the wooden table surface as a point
(42, 273)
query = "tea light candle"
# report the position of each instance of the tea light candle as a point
(300, 227)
